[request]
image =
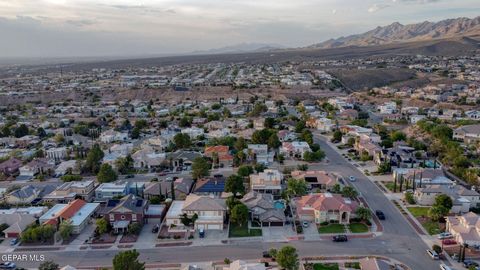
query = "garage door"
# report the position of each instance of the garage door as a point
(213, 227)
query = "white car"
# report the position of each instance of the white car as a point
(352, 178)
(445, 267)
(445, 235)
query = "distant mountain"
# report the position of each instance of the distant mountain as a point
(242, 48)
(397, 32)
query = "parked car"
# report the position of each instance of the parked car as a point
(266, 254)
(340, 238)
(201, 233)
(352, 178)
(155, 228)
(305, 224)
(130, 176)
(433, 254)
(449, 242)
(445, 267)
(380, 214)
(469, 263)
(8, 265)
(445, 235)
(14, 241)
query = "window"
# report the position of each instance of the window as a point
(123, 217)
(112, 217)
(134, 217)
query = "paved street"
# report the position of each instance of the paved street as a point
(398, 241)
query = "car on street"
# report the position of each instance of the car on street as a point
(305, 224)
(433, 254)
(8, 265)
(380, 214)
(469, 263)
(445, 235)
(445, 267)
(352, 178)
(130, 176)
(340, 238)
(14, 241)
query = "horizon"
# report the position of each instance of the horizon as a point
(52, 29)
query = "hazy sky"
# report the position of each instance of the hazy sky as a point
(50, 28)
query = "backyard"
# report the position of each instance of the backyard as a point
(332, 228)
(242, 231)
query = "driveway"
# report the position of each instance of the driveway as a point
(311, 232)
(278, 234)
(147, 239)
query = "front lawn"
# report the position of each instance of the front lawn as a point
(358, 228)
(237, 231)
(432, 227)
(418, 211)
(325, 266)
(332, 228)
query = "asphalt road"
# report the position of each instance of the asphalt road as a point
(398, 241)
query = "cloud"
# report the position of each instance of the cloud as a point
(80, 23)
(334, 11)
(377, 7)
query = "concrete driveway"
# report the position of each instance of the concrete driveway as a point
(278, 234)
(311, 232)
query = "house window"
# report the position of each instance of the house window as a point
(134, 217)
(123, 217)
(112, 217)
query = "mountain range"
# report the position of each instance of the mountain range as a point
(398, 33)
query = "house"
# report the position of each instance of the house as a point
(182, 159)
(295, 149)
(220, 155)
(467, 134)
(259, 153)
(349, 114)
(463, 199)
(323, 124)
(64, 167)
(372, 149)
(261, 207)
(107, 191)
(17, 223)
(321, 180)
(181, 186)
(259, 123)
(269, 181)
(326, 207)
(34, 167)
(286, 136)
(210, 212)
(147, 158)
(57, 153)
(24, 195)
(214, 186)
(78, 213)
(123, 212)
(10, 167)
(70, 191)
(110, 136)
(465, 228)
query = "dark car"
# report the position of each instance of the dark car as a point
(340, 238)
(155, 229)
(469, 263)
(130, 176)
(8, 265)
(266, 254)
(380, 215)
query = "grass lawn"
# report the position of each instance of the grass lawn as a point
(388, 185)
(237, 231)
(358, 228)
(325, 266)
(418, 211)
(332, 228)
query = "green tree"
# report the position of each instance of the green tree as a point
(102, 225)
(240, 144)
(66, 229)
(273, 141)
(6, 132)
(245, 170)
(127, 260)
(269, 122)
(363, 213)
(443, 200)
(106, 174)
(182, 141)
(349, 192)
(234, 184)
(21, 131)
(124, 165)
(239, 214)
(287, 258)
(200, 168)
(337, 136)
(316, 156)
(398, 136)
(261, 136)
(296, 187)
(337, 189)
(48, 265)
(94, 157)
(141, 124)
(437, 212)
(135, 133)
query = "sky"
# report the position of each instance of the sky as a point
(92, 28)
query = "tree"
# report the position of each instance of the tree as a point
(6, 132)
(127, 260)
(200, 168)
(94, 157)
(21, 131)
(234, 184)
(437, 212)
(102, 225)
(48, 265)
(384, 168)
(124, 165)
(41, 132)
(314, 156)
(302, 167)
(106, 174)
(307, 136)
(269, 122)
(185, 122)
(296, 187)
(261, 136)
(141, 124)
(135, 133)
(337, 136)
(349, 192)
(398, 136)
(240, 144)
(363, 213)
(66, 229)
(437, 249)
(273, 141)
(134, 228)
(409, 198)
(287, 258)
(337, 189)
(443, 200)
(245, 170)
(182, 141)
(239, 214)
